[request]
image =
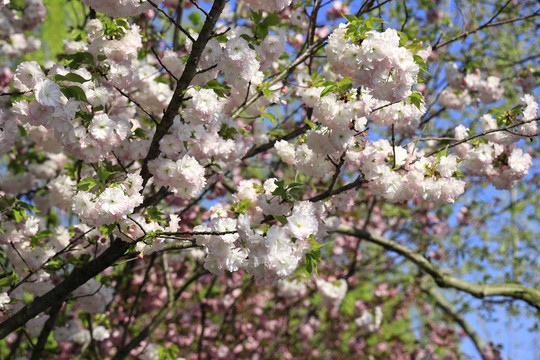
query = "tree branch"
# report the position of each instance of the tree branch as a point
(516, 291)
(427, 287)
(45, 331)
(176, 24)
(485, 25)
(487, 132)
(157, 320)
(78, 277)
(187, 75)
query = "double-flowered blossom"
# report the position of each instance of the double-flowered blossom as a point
(332, 293)
(466, 88)
(500, 160)
(369, 321)
(399, 174)
(379, 63)
(93, 296)
(185, 176)
(16, 21)
(268, 5)
(114, 203)
(239, 63)
(268, 256)
(120, 8)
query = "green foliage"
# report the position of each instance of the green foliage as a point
(227, 132)
(241, 207)
(74, 92)
(87, 184)
(262, 25)
(420, 62)
(219, 89)
(341, 87)
(288, 193)
(41, 235)
(155, 214)
(114, 28)
(8, 280)
(358, 27)
(270, 117)
(416, 99)
(507, 117)
(75, 61)
(313, 257)
(71, 77)
(103, 174)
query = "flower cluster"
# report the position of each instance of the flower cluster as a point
(112, 204)
(465, 88)
(269, 5)
(426, 178)
(120, 8)
(379, 63)
(499, 159)
(185, 176)
(13, 25)
(268, 255)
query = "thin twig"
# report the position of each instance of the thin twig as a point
(483, 133)
(137, 104)
(467, 33)
(162, 65)
(177, 25)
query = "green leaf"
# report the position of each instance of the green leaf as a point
(155, 214)
(329, 89)
(442, 153)
(27, 206)
(311, 124)
(256, 16)
(315, 246)
(311, 265)
(350, 18)
(495, 110)
(74, 92)
(87, 184)
(140, 133)
(271, 20)
(123, 23)
(222, 38)
(227, 132)
(247, 38)
(281, 219)
(42, 234)
(242, 206)
(104, 174)
(53, 265)
(195, 18)
(418, 59)
(404, 38)
(78, 59)
(217, 87)
(416, 99)
(270, 117)
(19, 5)
(71, 77)
(8, 280)
(19, 214)
(107, 229)
(280, 190)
